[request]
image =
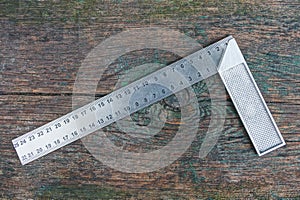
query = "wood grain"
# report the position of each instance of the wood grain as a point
(42, 46)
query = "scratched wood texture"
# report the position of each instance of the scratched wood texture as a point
(42, 46)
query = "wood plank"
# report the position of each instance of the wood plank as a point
(43, 44)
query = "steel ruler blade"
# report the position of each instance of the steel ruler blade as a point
(142, 93)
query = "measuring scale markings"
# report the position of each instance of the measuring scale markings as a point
(121, 103)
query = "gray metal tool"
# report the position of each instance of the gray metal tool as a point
(223, 57)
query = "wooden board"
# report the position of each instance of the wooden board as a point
(42, 46)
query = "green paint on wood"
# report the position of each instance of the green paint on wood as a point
(86, 11)
(80, 192)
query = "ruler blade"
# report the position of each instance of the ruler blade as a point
(119, 104)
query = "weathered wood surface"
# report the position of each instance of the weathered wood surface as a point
(42, 46)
